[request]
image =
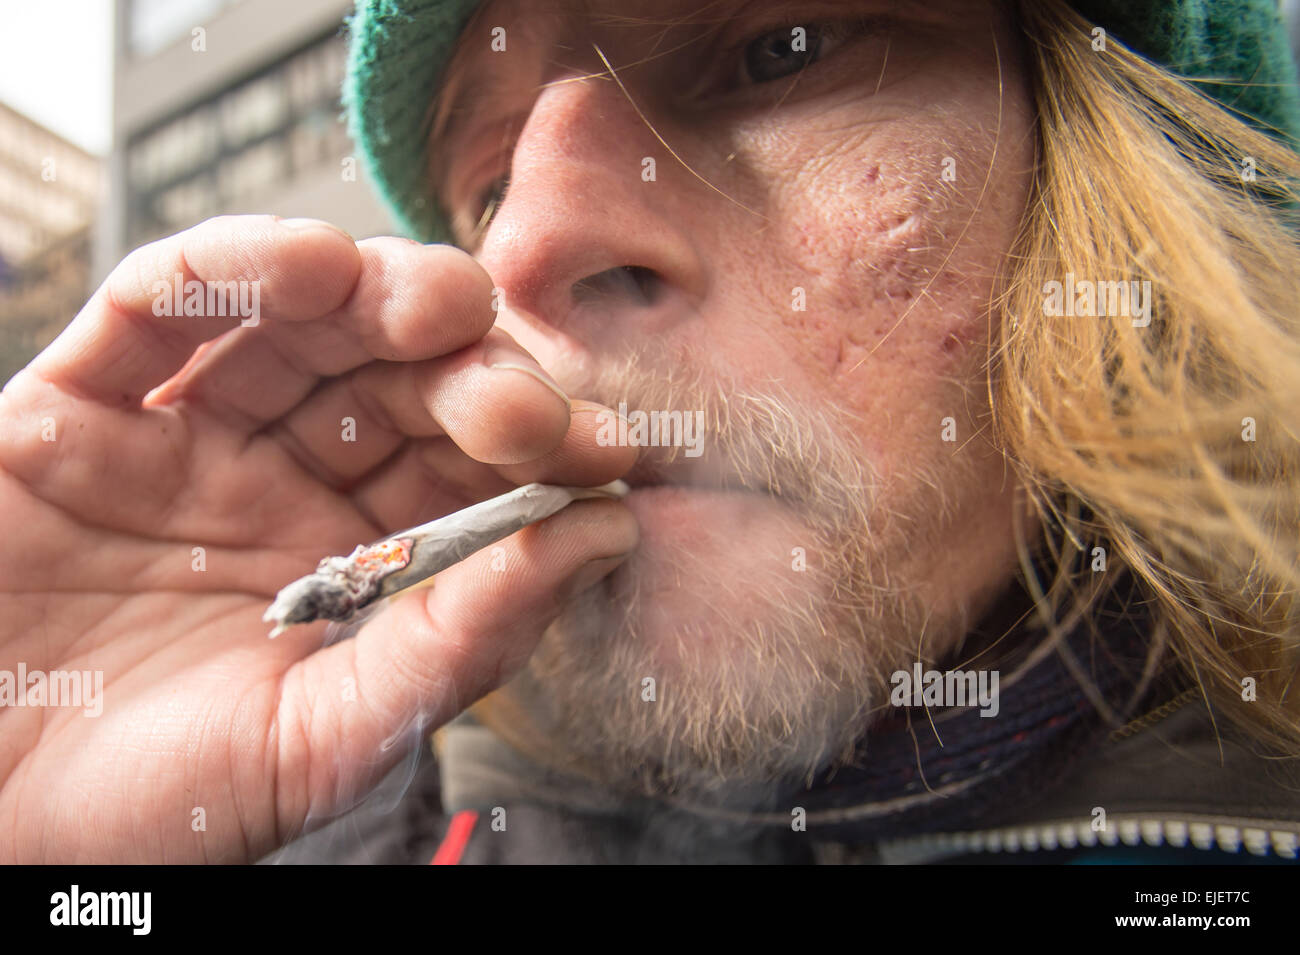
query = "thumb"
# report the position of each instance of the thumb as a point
(433, 653)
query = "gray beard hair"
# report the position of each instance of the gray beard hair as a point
(790, 696)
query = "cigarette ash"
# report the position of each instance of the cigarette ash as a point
(340, 586)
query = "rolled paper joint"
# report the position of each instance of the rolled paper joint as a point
(342, 587)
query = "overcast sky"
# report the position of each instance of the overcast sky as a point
(56, 65)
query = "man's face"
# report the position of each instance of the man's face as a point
(796, 233)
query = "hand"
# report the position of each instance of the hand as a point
(161, 478)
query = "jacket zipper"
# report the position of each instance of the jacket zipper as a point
(1227, 833)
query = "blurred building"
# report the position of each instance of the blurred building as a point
(229, 106)
(49, 192)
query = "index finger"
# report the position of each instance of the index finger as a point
(411, 302)
(128, 338)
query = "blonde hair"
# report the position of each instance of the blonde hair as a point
(1173, 446)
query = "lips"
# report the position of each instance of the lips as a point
(657, 470)
(705, 524)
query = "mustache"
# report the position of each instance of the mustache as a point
(780, 676)
(757, 436)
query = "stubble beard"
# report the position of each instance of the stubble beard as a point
(806, 666)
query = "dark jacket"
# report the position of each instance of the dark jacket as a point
(1046, 781)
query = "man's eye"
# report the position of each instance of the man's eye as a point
(786, 51)
(492, 197)
(489, 202)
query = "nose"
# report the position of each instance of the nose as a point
(592, 242)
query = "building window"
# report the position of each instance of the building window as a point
(155, 24)
(240, 145)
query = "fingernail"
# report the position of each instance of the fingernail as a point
(498, 358)
(604, 415)
(305, 224)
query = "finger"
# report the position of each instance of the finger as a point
(433, 477)
(122, 344)
(434, 652)
(584, 458)
(411, 302)
(492, 399)
(429, 478)
(157, 471)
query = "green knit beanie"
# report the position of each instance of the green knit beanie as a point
(399, 48)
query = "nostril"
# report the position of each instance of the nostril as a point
(628, 281)
(647, 280)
